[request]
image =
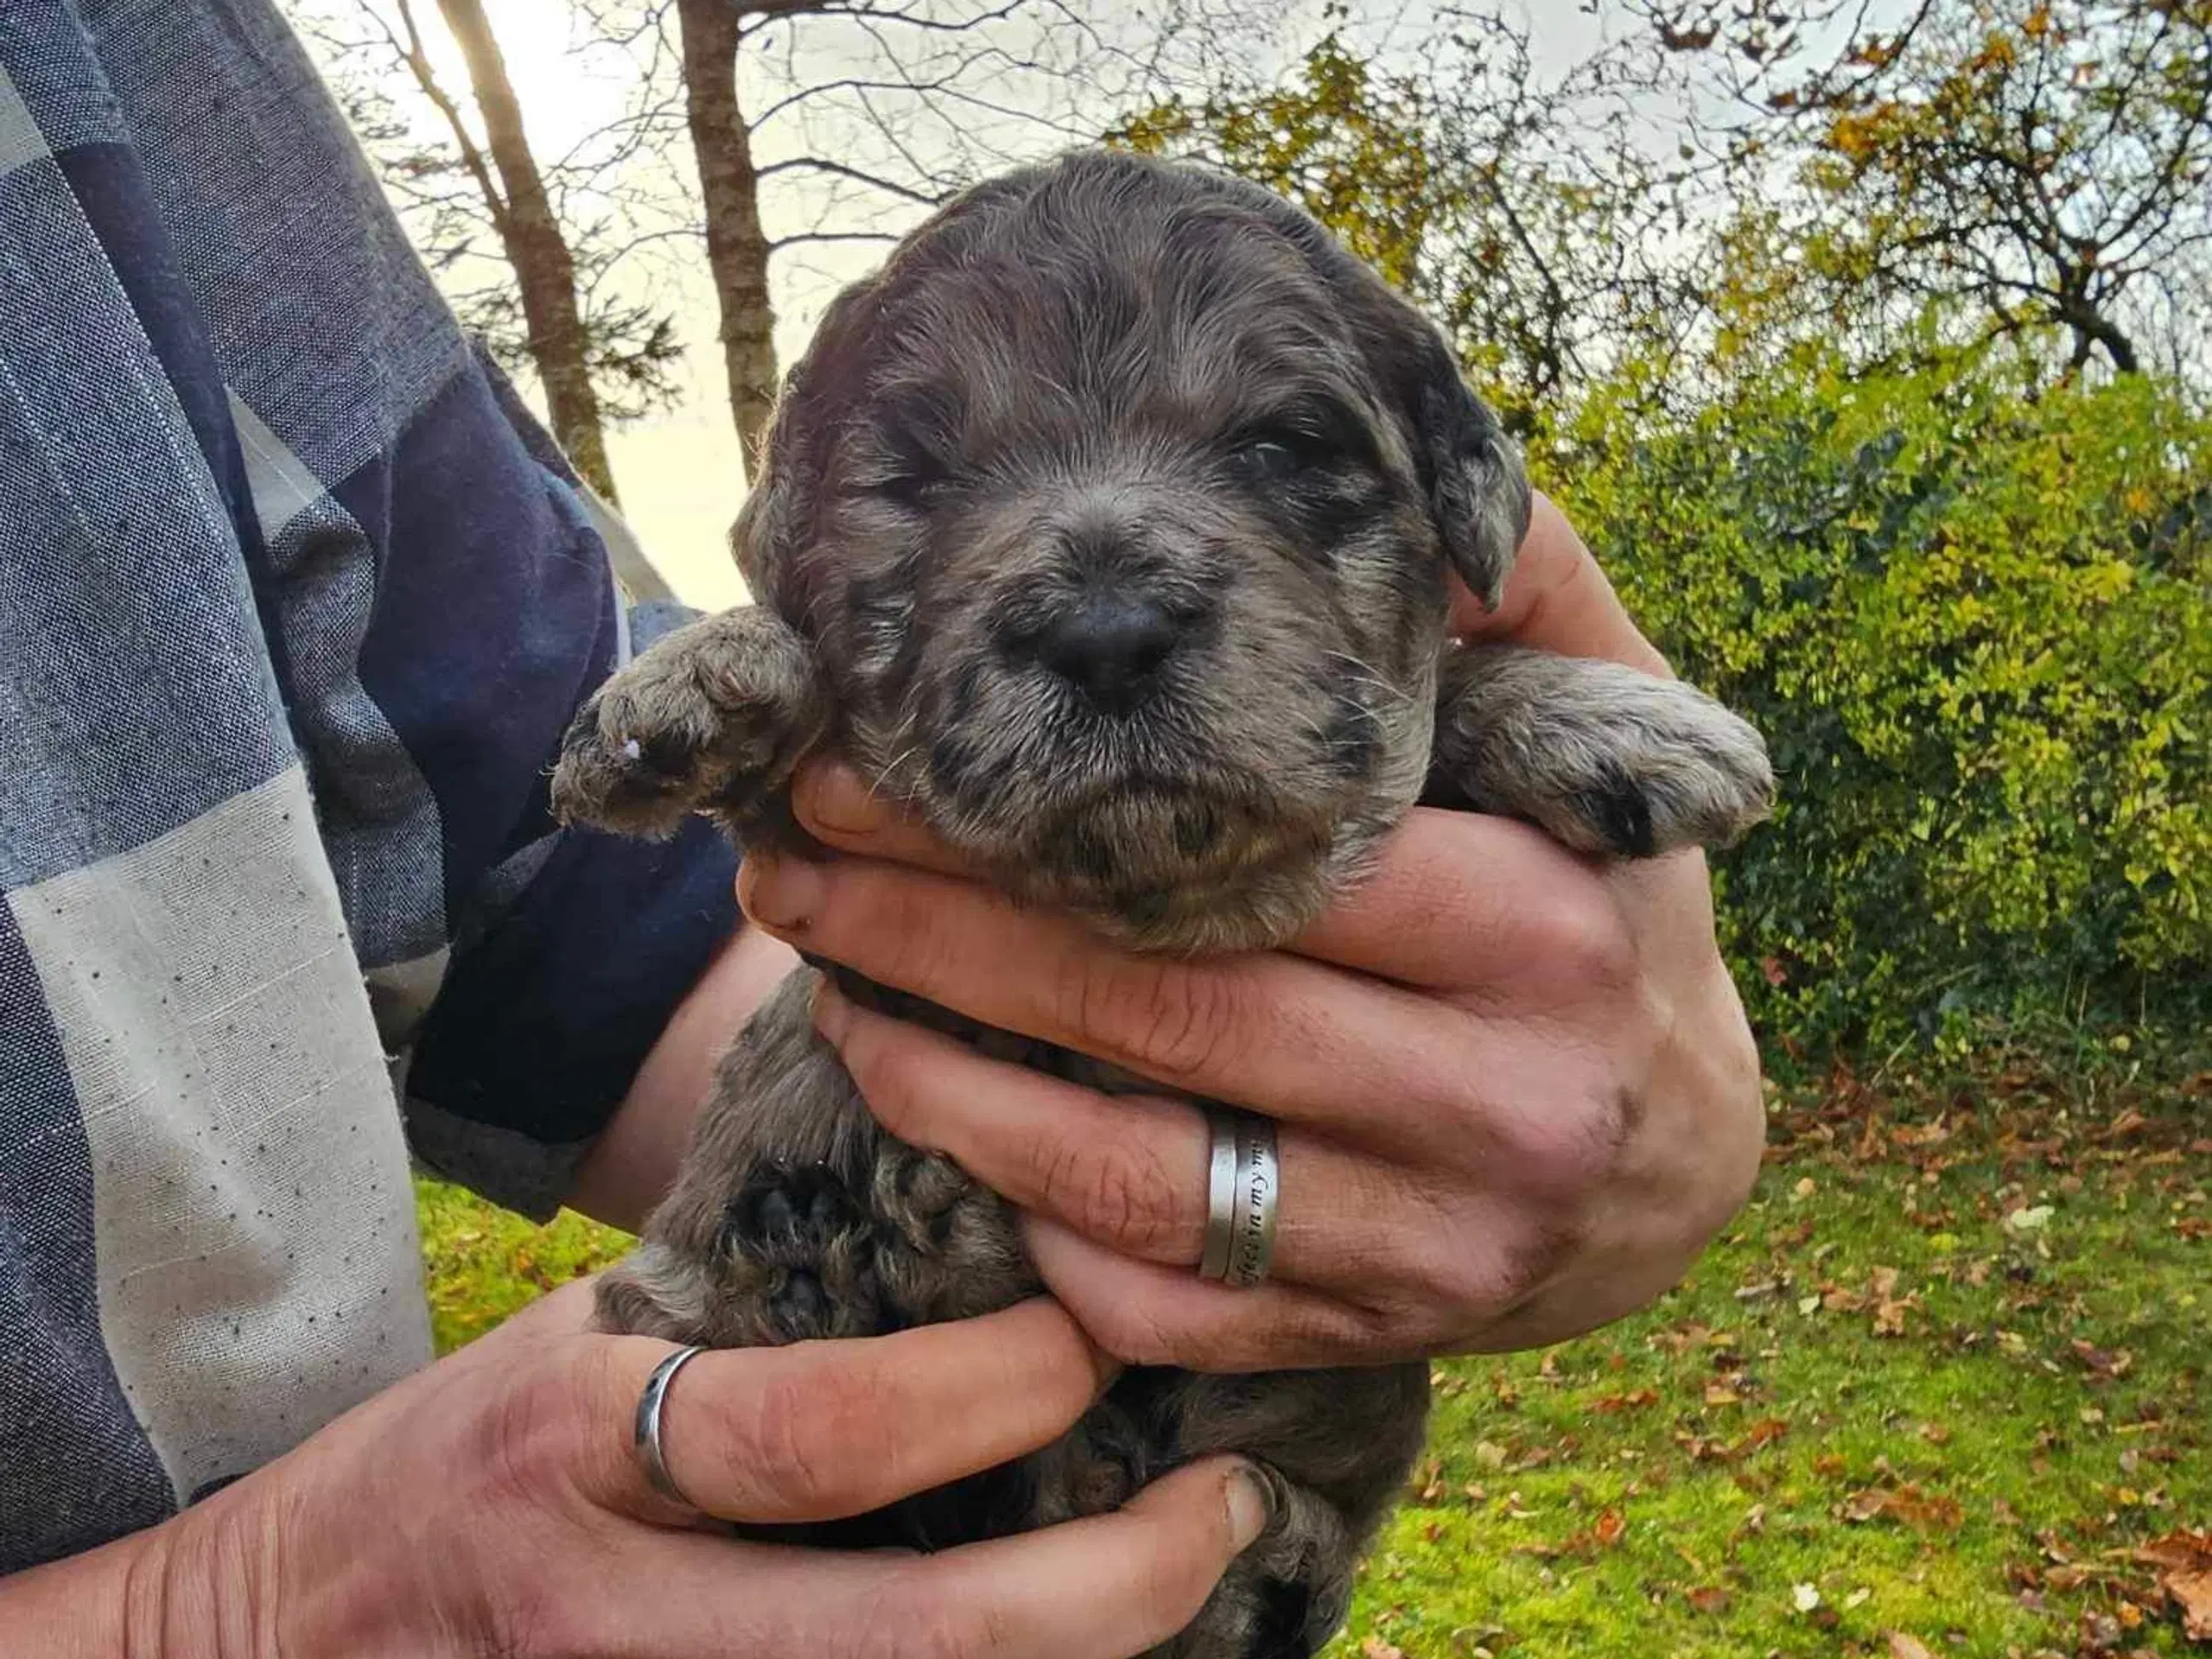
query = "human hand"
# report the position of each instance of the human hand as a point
(1516, 1088)
(492, 1504)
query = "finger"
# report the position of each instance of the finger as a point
(1129, 1172)
(1557, 599)
(1147, 1314)
(1448, 906)
(838, 809)
(1459, 902)
(1106, 1587)
(822, 1430)
(1295, 1038)
(1101, 1588)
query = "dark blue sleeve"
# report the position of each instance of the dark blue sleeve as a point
(497, 615)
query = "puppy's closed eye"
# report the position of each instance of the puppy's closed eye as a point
(1311, 437)
(911, 478)
(914, 487)
(1271, 461)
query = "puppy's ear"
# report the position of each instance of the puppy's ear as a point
(1478, 488)
(778, 519)
(775, 521)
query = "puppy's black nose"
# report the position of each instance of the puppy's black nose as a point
(1111, 645)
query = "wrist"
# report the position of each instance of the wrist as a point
(634, 1161)
(202, 1587)
(150, 1595)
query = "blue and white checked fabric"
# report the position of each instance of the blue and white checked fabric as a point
(295, 603)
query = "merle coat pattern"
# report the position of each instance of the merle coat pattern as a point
(1107, 528)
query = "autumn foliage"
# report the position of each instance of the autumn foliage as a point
(1882, 397)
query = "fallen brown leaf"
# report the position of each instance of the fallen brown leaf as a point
(2185, 1557)
(1907, 1647)
(1764, 1432)
(1921, 1511)
(1375, 1647)
(1635, 1401)
(1711, 1600)
(2099, 1363)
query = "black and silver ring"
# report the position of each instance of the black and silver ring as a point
(1243, 1186)
(650, 1457)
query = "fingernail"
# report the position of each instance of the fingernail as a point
(831, 797)
(782, 894)
(1252, 1500)
(833, 1015)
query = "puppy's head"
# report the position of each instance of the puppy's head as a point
(1118, 509)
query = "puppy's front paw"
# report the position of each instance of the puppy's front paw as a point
(1605, 759)
(712, 718)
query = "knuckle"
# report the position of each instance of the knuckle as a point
(1485, 1285)
(928, 1624)
(1132, 1332)
(1586, 940)
(1567, 1151)
(537, 1613)
(1736, 1131)
(1118, 1195)
(898, 922)
(534, 1439)
(779, 1448)
(1165, 1019)
(1460, 1296)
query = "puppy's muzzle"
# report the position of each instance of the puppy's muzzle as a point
(1111, 644)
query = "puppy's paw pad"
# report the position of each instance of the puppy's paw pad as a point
(789, 1213)
(811, 1249)
(711, 717)
(1615, 818)
(921, 1193)
(1679, 771)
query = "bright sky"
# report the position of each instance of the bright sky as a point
(679, 472)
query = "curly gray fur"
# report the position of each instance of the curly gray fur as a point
(1107, 528)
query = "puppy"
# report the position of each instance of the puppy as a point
(1107, 528)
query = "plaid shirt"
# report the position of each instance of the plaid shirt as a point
(296, 602)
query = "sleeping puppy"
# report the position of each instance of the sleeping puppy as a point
(1108, 529)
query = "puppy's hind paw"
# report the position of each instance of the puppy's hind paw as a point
(1605, 759)
(811, 1249)
(711, 718)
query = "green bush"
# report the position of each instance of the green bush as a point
(1974, 622)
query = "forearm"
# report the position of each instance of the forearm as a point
(634, 1161)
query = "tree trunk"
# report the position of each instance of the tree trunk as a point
(737, 248)
(544, 270)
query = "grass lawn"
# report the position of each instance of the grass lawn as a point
(1946, 1387)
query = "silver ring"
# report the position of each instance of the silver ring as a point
(650, 1458)
(1243, 1186)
